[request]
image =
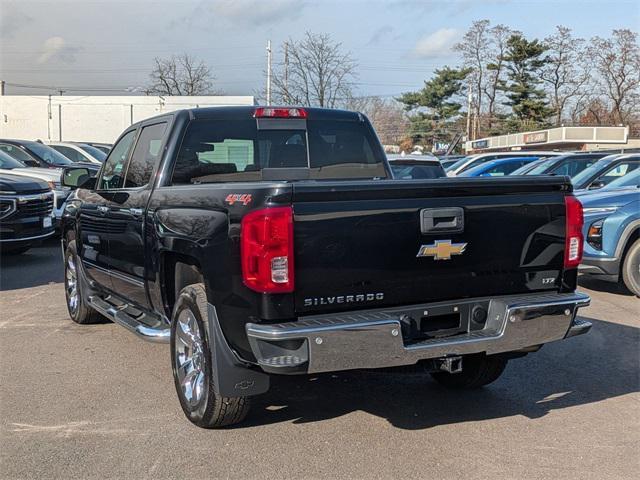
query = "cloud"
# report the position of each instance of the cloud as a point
(436, 44)
(258, 12)
(55, 48)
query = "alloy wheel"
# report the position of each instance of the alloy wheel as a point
(189, 358)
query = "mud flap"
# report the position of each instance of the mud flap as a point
(231, 377)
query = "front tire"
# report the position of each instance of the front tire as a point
(477, 370)
(79, 311)
(192, 365)
(631, 269)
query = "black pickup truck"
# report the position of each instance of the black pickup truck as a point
(260, 241)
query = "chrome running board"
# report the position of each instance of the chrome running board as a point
(159, 333)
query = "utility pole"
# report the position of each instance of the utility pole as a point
(268, 72)
(49, 117)
(469, 99)
(286, 71)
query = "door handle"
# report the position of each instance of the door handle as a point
(136, 212)
(103, 209)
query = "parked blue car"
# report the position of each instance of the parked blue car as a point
(612, 235)
(498, 167)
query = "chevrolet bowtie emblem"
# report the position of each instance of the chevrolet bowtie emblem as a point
(441, 250)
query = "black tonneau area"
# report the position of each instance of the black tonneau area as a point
(364, 244)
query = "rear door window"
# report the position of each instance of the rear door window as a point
(145, 155)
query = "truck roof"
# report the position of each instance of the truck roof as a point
(243, 112)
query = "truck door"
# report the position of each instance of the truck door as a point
(95, 228)
(128, 209)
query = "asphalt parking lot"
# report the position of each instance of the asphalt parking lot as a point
(95, 402)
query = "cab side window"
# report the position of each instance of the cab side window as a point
(145, 155)
(113, 170)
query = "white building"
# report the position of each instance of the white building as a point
(560, 138)
(90, 118)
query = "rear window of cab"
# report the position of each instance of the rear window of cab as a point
(239, 151)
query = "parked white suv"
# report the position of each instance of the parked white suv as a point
(10, 165)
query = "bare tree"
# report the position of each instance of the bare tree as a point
(316, 72)
(565, 73)
(496, 67)
(474, 48)
(617, 63)
(386, 115)
(180, 75)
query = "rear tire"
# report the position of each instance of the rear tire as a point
(477, 370)
(631, 269)
(79, 311)
(192, 365)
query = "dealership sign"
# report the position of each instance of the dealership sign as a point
(537, 137)
(480, 144)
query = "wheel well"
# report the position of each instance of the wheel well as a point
(178, 271)
(635, 235)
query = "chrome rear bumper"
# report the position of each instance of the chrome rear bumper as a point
(373, 339)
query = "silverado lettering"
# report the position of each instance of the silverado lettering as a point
(367, 297)
(241, 294)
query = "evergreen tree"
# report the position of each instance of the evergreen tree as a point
(435, 106)
(523, 61)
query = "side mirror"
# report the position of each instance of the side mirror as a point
(31, 163)
(78, 177)
(596, 185)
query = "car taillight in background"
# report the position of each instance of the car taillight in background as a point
(266, 249)
(269, 112)
(574, 238)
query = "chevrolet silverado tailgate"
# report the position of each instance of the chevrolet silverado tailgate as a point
(383, 243)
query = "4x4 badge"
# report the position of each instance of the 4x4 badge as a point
(441, 250)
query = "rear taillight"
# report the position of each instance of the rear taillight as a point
(574, 239)
(266, 250)
(271, 112)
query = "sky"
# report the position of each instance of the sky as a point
(108, 46)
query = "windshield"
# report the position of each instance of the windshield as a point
(542, 167)
(588, 172)
(457, 164)
(8, 162)
(407, 170)
(525, 169)
(48, 154)
(94, 152)
(630, 180)
(18, 154)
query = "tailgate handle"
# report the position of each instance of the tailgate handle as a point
(442, 220)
